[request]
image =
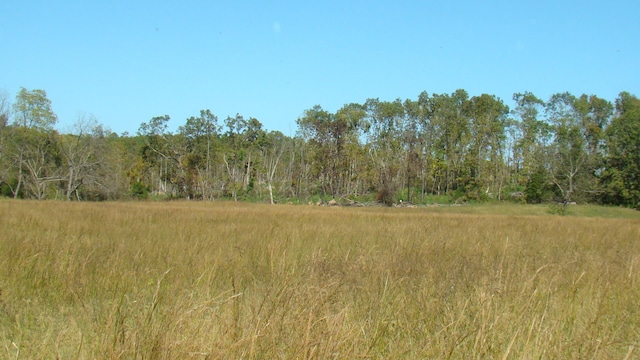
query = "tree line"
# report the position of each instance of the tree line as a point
(437, 147)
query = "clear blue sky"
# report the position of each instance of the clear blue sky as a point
(128, 61)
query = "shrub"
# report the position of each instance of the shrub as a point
(139, 190)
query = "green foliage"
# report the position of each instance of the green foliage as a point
(568, 158)
(537, 187)
(33, 110)
(139, 191)
(558, 209)
(332, 139)
(453, 147)
(621, 177)
(6, 189)
(530, 134)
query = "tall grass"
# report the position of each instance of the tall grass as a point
(187, 280)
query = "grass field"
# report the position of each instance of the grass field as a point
(194, 280)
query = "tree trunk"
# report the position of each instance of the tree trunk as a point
(70, 183)
(270, 192)
(17, 190)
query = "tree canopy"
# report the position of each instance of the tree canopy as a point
(436, 147)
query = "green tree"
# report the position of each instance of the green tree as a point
(594, 115)
(4, 109)
(451, 126)
(532, 136)
(426, 154)
(537, 187)
(32, 109)
(243, 139)
(201, 134)
(37, 160)
(347, 165)
(621, 177)
(488, 116)
(384, 130)
(254, 140)
(273, 149)
(33, 143)
(412, 130)
(166, 154)
(316, 127)
(5, 160)
(120, 156)
(568, 151)
(155, 153)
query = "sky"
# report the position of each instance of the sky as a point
(125, 62)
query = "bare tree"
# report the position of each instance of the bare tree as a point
(82, 155)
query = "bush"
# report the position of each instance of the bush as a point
(385, 195)
(139, 190)
(537, 189)
(557, 209)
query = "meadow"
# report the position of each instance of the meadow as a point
(222, 280)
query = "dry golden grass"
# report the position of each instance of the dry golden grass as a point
(189, 280)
